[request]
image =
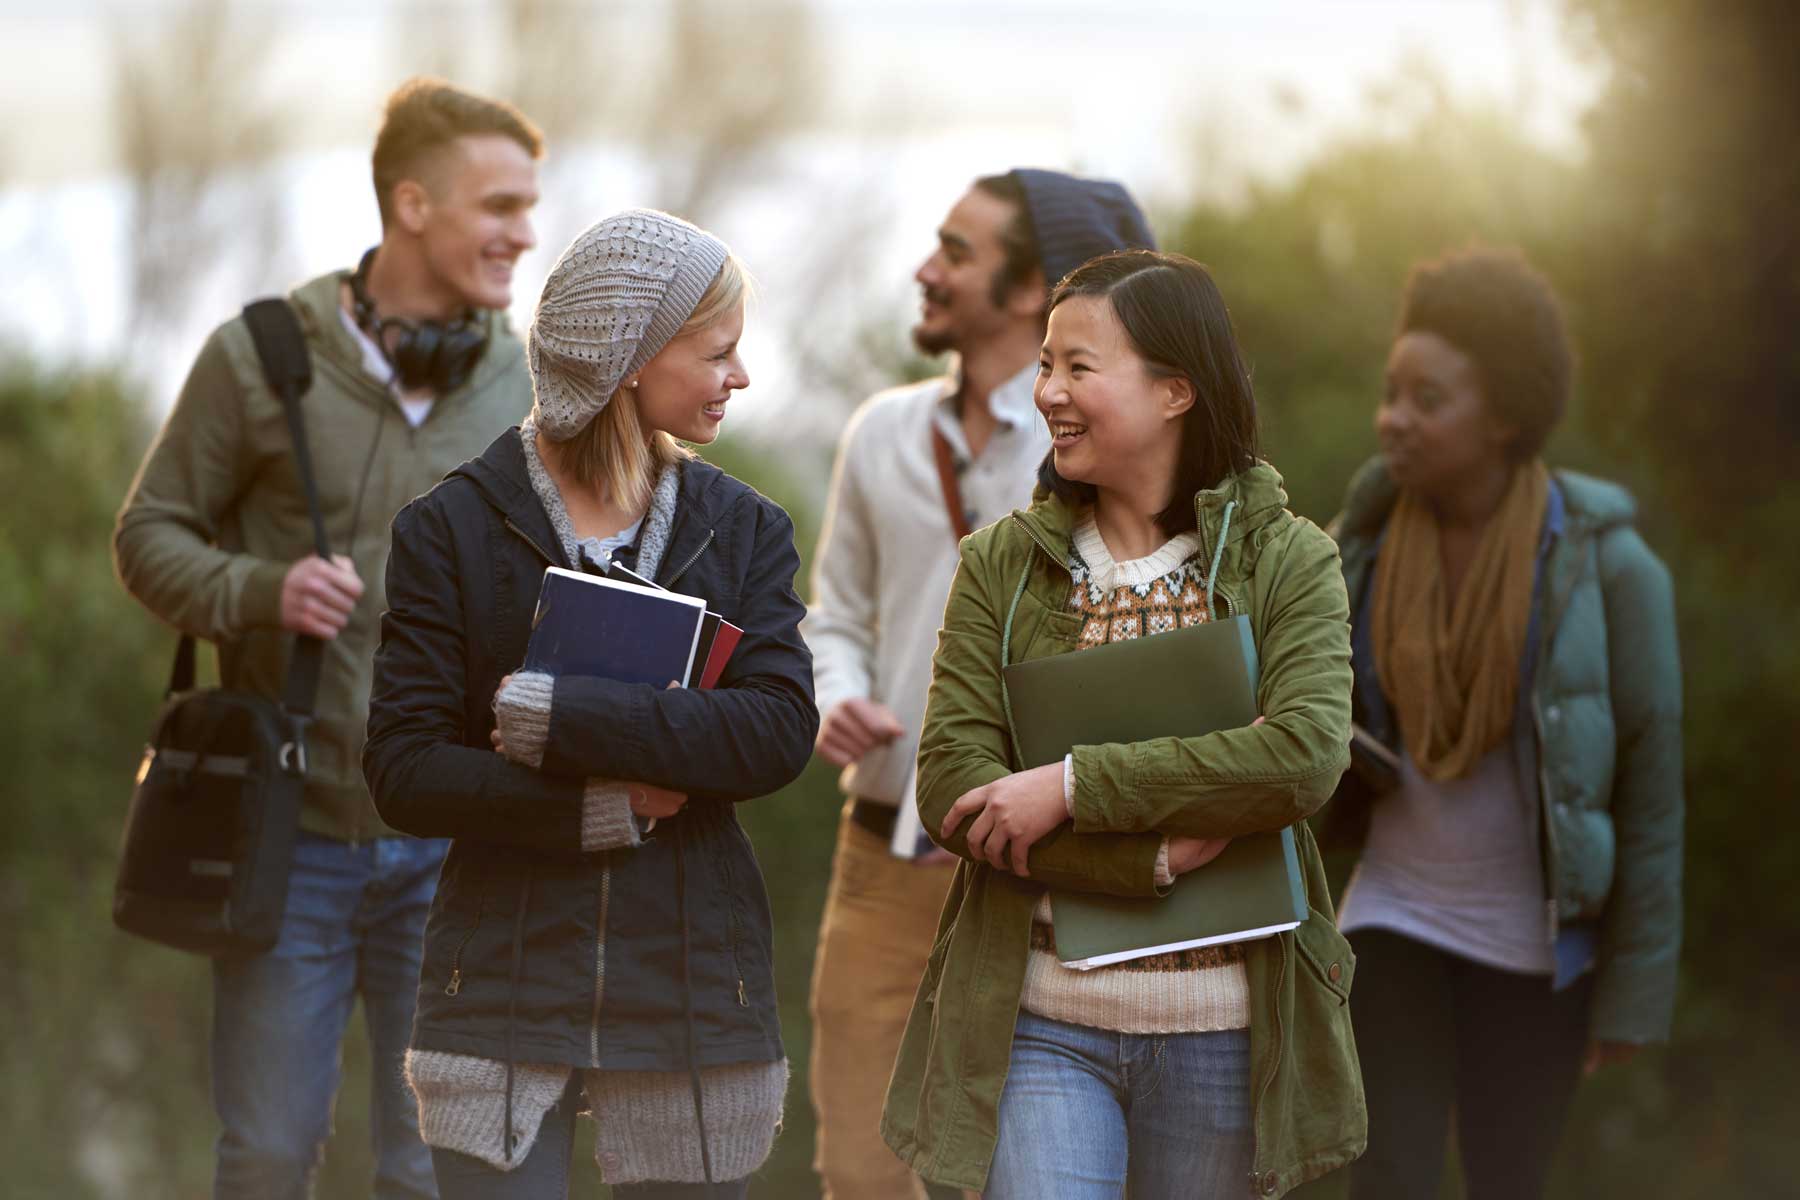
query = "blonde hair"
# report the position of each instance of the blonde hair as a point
(423, 117)
(614, 453)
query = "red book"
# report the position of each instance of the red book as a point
(724, 641)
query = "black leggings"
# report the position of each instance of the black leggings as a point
(1437, 1033)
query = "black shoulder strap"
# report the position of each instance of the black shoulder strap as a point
(287, 365)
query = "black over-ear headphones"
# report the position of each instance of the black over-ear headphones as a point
(424, 354)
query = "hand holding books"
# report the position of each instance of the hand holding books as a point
(1184, 683)
(1013, 813)
(648, 801)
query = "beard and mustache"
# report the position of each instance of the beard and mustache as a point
(934, 342)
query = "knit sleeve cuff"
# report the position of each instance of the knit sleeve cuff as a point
(606, 819)
(522, 709)
(1164, 877)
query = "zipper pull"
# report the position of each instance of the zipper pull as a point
(455, 984)
(743, 1002)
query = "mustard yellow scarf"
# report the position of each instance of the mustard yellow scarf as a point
(1452, 672)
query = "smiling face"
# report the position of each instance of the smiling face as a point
(1114, 422)
(957, 307)
(1437, 431)
(683, 390)
(471, 214)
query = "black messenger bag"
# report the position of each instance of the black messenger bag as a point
(209, 839)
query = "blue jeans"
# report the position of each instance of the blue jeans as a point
(1088, 1114)
(544, 1175)
(354, 925)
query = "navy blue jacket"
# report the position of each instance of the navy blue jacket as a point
(535, 951)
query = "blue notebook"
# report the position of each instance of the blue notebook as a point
(590, 625)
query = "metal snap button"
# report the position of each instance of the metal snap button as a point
(1334, 972)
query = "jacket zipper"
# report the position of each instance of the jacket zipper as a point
(455, 984)
(737, 963)
(1545, 813)
(530, 541)
(599, 963)
(1044, 546)
(691, 560)
(1275, 1024)
(1549, 819)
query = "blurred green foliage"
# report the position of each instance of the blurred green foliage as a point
(1675, 246)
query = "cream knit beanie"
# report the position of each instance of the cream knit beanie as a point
(616, 296)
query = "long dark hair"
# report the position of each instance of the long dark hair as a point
(1177, 322)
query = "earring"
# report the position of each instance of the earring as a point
(632, 384)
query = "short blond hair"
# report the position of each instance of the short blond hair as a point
(424, 116)
(613, 452)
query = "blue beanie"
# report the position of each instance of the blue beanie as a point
(1075, 219)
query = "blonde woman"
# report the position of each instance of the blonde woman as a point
(573, 947)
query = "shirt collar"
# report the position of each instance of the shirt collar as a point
(1011, 403)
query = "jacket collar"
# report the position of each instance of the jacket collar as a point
(501, 477)
(1256, 497)
(1579, 501)
(318, 302)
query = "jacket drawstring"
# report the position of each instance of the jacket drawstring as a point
(687, 996)
(512, 1006)
(1006, 658)
(1212, 575)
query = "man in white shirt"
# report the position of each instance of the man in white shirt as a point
(918, 467)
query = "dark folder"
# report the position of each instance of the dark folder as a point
(1184, 683)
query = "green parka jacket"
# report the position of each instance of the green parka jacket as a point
(1009, 603)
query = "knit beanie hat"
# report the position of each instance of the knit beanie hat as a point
(1076, 219)
(617, 295)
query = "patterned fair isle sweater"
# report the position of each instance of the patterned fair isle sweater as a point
(1190, 991)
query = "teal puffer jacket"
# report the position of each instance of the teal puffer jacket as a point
(1604, 733)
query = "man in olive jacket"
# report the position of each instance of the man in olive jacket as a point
(415, 369)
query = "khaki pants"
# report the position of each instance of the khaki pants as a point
(881, 917)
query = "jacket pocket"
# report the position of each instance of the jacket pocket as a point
(1325, 1096)
(1327, 955)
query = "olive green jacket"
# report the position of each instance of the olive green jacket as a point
(216, 515)
(1009, 603)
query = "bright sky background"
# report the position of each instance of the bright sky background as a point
(920, 96)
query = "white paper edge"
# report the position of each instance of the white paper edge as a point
(1246, 935)
(905, 839)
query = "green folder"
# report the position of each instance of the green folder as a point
(1184, 683)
